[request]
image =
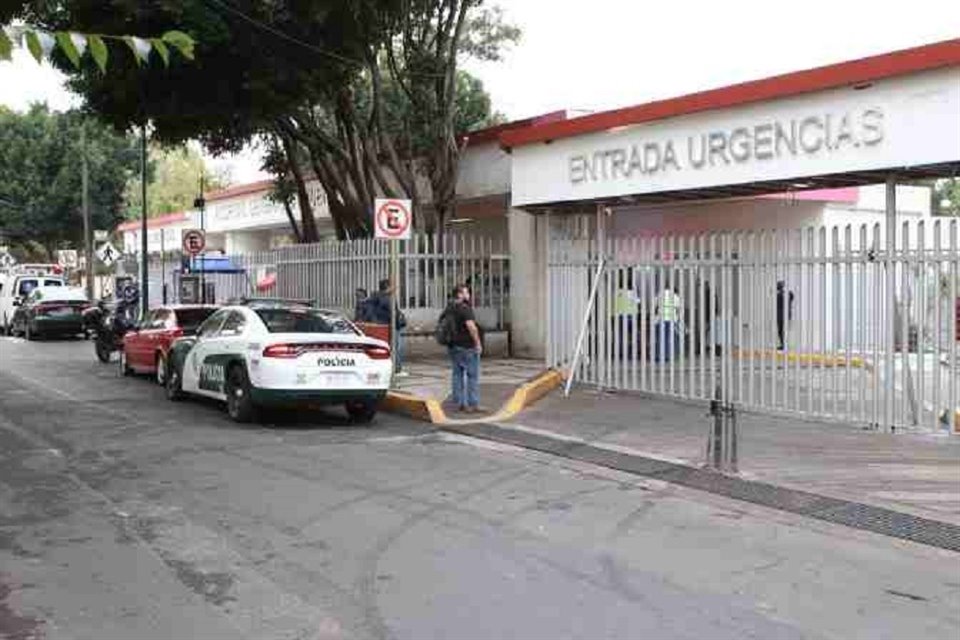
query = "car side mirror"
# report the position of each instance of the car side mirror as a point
(17, 302)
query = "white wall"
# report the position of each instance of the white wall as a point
(484, 171)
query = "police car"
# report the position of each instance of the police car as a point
(269, 352)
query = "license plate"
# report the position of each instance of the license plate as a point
(60, 311)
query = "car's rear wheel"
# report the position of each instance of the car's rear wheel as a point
(240, 405)
(125, 369)
(361, 411)
(174, 384)
(161, 374)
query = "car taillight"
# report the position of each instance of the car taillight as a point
(377, 353)
(282, 351)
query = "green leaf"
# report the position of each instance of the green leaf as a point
(99, 51)
(33, 45)
(133, 47)
(162, 50)
(66, 45)
(181, 41)
(6, 46)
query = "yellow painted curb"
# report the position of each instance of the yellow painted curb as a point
(814, 359)
(430, 409)
(426, 409)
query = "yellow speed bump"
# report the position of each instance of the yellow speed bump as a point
(430, 409)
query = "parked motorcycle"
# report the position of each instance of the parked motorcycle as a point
(107, 322)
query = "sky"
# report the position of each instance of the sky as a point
(603, 54)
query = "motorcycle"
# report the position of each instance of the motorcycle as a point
(107, 322)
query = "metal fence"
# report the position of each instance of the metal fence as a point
(823, 321)
(330, 273)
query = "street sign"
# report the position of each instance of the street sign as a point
(393, 218)
(107, 254)
(68, 258)
(194, 241)
(100, 235)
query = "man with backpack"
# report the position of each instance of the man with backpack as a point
(457, 330)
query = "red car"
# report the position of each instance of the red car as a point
(145, 348)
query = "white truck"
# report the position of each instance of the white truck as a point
(18, 282)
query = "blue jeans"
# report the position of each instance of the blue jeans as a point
(465, 363)
(666, 340)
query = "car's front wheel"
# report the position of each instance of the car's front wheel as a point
(161, 374)
(361, 411)
(240, 405)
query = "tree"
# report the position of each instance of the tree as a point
(361, 94)
(173, 181)
(946, 197)
(40, 176)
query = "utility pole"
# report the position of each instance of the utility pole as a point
(87, 230)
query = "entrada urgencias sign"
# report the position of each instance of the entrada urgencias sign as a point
(765, 141)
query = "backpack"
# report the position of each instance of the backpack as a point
(444, 332)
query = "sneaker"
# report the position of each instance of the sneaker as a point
(474, 410)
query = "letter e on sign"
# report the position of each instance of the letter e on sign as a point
(393, 218)
(194, 241)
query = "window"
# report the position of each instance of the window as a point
(304, 320)
(234, 325)
(211, 327)
(53, 283)
(26, 285)
(159, 320)
(190, 319)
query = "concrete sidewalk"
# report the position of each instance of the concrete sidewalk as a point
(912, 473)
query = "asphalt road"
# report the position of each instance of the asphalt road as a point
(126, 516)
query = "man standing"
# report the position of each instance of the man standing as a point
(668, 315)
(465, 348)
(380, 313)
(784, 312)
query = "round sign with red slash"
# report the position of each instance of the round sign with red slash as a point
(393, 219)
(194, 241)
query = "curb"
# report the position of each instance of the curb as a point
(430, 410)
(812, 359)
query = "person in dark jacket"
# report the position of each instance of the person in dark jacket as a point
(360, 305)
(784, 312)
(379, 311)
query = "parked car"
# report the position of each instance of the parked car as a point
(50, 311)
(272, 352)
(146, 345)
(18, 284)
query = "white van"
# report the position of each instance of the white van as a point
(15, 287)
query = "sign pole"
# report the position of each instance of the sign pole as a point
(394, 268)
(393, 220)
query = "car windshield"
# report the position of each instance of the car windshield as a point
(304, 320)
(190, 319)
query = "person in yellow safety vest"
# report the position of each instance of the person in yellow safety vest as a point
(625, 311)
(668, 306)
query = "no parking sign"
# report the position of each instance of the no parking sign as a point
(393, 219)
